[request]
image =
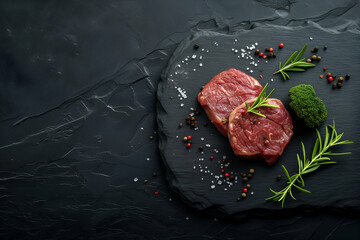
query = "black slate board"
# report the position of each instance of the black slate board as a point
(333, 187)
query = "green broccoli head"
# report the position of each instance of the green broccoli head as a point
(307, 106)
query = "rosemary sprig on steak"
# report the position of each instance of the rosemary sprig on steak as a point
(261, 101)
(294, 64)
(318, 157)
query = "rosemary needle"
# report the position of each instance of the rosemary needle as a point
(318, 157)
(261, 101)
(294, 63)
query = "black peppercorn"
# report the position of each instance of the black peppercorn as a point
(196, 46)
(274, 56)
(339, 84)
(238, 199)
(314, 50)
(232, 178)
(270, 54)
(151, 137)
(333, 76)
(325, 47)
(201, 148)
(347, 76)
(266, 49)
(257, 51)
(224, 161)
(180, 125)
(205, 124)
(278, 177)
(334, 85)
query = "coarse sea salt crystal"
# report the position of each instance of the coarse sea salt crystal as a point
(136, 179)
(212, 186)
(200, 64)
(193, 56)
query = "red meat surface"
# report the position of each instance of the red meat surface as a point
(253, 136)
(224, 93)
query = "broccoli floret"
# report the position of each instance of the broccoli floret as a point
(307, 106)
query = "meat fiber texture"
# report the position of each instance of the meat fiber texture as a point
(253, 136)
(224, 93)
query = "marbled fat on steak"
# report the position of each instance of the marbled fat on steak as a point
(253, 136)
(224, 93)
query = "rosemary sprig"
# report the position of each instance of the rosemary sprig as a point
(261, 101)
(318, 158)
(294, 63)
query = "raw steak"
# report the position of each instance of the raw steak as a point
(224, 93)
(253, 136)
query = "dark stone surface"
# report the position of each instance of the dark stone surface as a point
(78, 81)
(192, 172)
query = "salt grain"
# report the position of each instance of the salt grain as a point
(136, 179)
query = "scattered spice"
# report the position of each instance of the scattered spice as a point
(151, 137)
(271, 49)
(196, 46)
(314, 50)
(223, 121)
(339, 84)
(185, 139)
(278, 177)
(248, 185)
(249, 175)
(257, 51)
(145, 181)
(308, 60)
(347, 77)
(264, 56)
(341, 79)
(188, 145)
(321, 76)
(245, 190)
(318, 58)
(270, 54)
(227, 175)
(201, 148)
(331, 79)
(325, 47)
(260, 77)
(313, 57)
(261, 54)
(238, 199)
(222, 170)
(243, 195)
(328, 74)
(281, 45)
(154, 174)
(251, 171)
(334, 85)
(180, 125)
(324, 69)
(232, 178)
(334, 76)
(156, 193)
(245, 179)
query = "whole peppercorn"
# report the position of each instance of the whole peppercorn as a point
(341, 79)
(274, 56)
(154, 174)
(266, 49)
(180, 125)
(325, 47)
(245, 179)
(232, 178)
(251, 171)
(185, 139)
(266, 142)
(339, 84)
(313, 57)
(331, 79)
(145, 181)
(324, 69)
(257, 51)
(189, 141)
(243, 195)
(334, 85)
(196, 46)
(271, 49)
(238, 199)
(151, 137)
(328, 74)
(261, 54)
(249, 175)
(245, 190)
(243, 174)
(223, 121)
(248, 185)
(318, 58)
(308, 60)
(334, 76)
(270, 54)
(278, 177)
(224, 161)
(201, 148)
(188, 145)
(281, 45)
(264, 56)
(347, 77)
(227, 175)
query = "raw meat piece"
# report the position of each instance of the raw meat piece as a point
(224, 93)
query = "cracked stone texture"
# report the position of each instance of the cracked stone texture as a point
(78, 95)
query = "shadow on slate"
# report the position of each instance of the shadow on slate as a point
(193, 174)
